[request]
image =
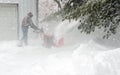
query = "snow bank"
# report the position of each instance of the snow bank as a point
(93, 59)
(87, 59)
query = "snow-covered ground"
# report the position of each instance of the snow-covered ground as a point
(29, 60)
(81, 59)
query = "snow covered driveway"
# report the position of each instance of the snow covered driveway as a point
(29, 60)
(86, 59)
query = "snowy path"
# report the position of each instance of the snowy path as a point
(29, 60)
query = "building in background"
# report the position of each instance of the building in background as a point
(11, 15)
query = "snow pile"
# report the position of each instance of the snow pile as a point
(93, 59)
(88, 59)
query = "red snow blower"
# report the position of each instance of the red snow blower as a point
(49, 41)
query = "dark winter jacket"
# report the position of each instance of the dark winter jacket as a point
(27, 21)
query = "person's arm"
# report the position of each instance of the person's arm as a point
(32, 25)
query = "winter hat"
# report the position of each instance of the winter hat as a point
(30, 14)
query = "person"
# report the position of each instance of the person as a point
(26, 23)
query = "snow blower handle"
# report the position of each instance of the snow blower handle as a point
(39, 30)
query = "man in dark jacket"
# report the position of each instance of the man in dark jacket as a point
(26, 23)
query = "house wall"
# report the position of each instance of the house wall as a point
(24, 6)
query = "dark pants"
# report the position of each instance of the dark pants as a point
(25, 35)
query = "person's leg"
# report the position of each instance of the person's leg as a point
(22, 38)
(25, 35)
